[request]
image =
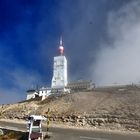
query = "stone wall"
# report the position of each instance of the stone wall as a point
(105, 121)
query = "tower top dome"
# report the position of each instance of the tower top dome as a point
(61, 48)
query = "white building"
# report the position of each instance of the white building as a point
(31, 93)
(42, 92)
(59, 79)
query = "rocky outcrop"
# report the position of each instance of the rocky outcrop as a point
(103, 122)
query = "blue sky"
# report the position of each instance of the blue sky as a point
(29, 39)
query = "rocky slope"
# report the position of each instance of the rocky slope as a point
(108, 108)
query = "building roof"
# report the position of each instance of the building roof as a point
(31, 90)
(37, 117)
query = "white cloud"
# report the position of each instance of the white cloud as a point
(119, 60)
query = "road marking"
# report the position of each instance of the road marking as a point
(91, 138)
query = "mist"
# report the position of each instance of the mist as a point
(101, 39)
(118, 61)
(19, 81)
(81, 28)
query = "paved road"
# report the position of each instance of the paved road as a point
(76, 134)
